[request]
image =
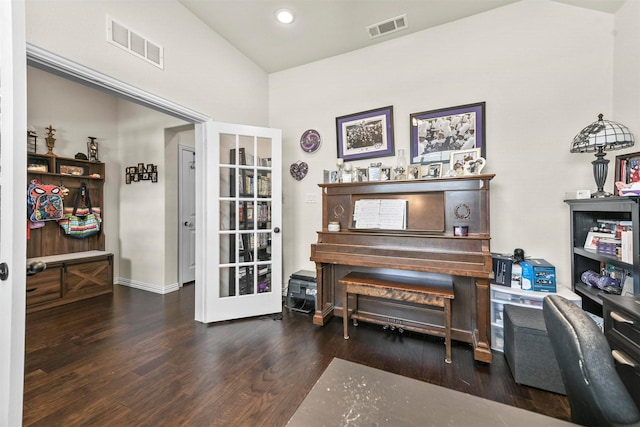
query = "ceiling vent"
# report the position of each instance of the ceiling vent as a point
(125, 38)
(387, 27)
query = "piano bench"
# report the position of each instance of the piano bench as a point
(399, 288)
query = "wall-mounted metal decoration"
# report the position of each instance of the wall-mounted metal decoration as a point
(141, 173)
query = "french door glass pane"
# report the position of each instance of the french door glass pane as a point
(227, 282)
(227, 184)
(227, 242)
(227, 215)
(263, 215)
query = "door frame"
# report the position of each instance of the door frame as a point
(13, 244)
(181, 189)
(56, 64)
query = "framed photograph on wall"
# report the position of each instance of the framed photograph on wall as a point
(435, 134)
(365, 135)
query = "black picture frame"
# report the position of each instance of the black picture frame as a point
(627, 170)
(455, 124)
(364, 135)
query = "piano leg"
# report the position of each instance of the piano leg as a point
(345, 312)
(324, 297)
(482, 333)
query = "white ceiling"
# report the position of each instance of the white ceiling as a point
(325, 28)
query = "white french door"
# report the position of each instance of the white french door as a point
(244, 170)
(13, 182)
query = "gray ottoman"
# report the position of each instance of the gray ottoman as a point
(528, 349)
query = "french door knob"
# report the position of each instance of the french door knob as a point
(276, 230)
(4, 271)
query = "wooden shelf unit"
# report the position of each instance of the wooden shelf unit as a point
(76, 268)
(584, 214)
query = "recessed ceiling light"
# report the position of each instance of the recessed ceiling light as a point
(285, 16)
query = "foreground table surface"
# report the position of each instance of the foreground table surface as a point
(349, 394)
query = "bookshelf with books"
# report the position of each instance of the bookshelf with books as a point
(604, 240)
(253, 212)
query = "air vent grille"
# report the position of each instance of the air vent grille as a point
(134, 43)
(388, 26)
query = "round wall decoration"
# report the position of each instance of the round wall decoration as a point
(310, 141)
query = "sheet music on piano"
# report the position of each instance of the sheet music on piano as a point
(388, 214)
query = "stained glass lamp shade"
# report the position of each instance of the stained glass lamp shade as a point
(598, 137)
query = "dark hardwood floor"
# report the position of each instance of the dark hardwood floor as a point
(139, 359)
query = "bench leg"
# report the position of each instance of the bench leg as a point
(447, 329)
(345, 312)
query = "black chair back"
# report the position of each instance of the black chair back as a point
(595, 392)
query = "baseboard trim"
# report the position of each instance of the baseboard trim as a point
(149, 287)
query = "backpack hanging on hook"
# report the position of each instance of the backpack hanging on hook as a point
(44, 202)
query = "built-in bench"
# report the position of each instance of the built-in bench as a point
(399, 288)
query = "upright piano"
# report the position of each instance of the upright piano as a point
(426, 247)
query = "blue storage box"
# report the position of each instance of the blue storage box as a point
(538, 275)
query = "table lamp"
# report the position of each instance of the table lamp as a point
(598, 137)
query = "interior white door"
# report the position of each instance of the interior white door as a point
(13, 182)
(244, 170)
(187, 214)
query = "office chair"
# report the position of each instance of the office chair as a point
(596, 394)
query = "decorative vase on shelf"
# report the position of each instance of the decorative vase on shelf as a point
(401, 166)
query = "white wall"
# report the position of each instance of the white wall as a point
(202, 70)
(626, 79)
(148, 255)
(532, 62)
(76, 112)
